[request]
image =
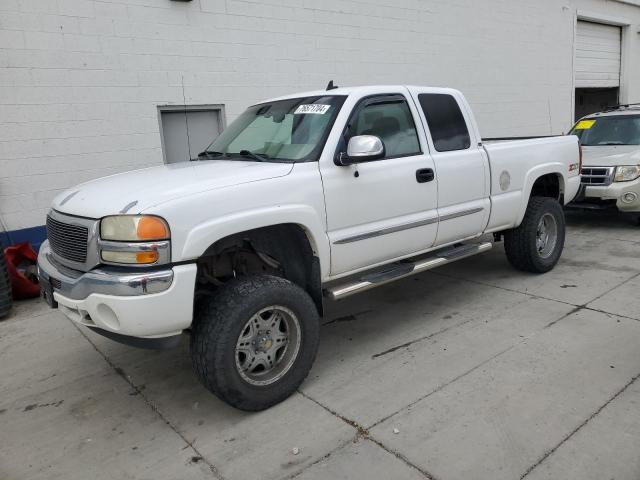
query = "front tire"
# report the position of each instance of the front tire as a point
(254, 340)
(536, 245)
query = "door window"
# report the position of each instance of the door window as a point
(390, 119)
(446, 122)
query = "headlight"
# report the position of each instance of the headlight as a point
(134, 240)
(134, 228)
(627, 173)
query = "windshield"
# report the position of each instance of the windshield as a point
(287, 130)
(614, 130)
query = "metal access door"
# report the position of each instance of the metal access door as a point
(597, 55)
(185, 133)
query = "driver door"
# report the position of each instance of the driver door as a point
(383, 209)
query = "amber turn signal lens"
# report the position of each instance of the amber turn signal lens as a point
(130, 258)
(146, 257)
(152, 228)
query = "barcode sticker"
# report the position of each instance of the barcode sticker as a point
(315, 108)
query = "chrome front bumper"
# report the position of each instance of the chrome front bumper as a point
(116, 281)
(123, 304)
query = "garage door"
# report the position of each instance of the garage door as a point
(597, 55)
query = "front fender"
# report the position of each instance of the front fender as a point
(205, 234)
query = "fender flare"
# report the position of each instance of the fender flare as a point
(531, 177)
(204, 235)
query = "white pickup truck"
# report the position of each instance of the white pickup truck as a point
(320, 194)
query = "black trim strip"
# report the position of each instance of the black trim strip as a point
(386, 231)
(183, 262)
(407, 226)
(520, 138)
(451, 216)
(160, 343)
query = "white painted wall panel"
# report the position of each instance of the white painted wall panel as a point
(81, 80)
(597, 55)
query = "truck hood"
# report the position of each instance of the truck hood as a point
(135, 191)
(610, 155)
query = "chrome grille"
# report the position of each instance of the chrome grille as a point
(597, 175)
(68, 241)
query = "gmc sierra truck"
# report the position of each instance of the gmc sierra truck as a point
(302, 198)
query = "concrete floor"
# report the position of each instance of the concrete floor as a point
(472, 371)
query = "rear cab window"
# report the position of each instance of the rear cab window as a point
(445, 120)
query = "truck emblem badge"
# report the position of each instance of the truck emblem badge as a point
(505, 180)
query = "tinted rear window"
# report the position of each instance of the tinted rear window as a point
(446, 123)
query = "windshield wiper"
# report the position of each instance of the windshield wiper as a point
(255, 156)
(210, 154)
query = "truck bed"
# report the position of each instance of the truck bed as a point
(512, 182)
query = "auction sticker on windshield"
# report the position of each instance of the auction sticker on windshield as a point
(585, 124)
(315, 108)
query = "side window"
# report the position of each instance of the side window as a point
(448, 128)
(391, 120)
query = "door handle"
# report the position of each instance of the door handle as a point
(424, 175)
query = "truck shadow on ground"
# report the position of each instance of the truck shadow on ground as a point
(359, 329)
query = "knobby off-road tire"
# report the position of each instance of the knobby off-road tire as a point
(536, 245)
(254, 340)
(5, 286)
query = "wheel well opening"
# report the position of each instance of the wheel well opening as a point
(282, 250)
(548, 186)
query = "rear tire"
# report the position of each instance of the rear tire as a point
(254, 340)
(536, 245)
(5, 287)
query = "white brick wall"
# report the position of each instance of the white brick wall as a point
(80, 80)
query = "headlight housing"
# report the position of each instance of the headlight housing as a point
(134, 240)
(626, 173)
(134, 228)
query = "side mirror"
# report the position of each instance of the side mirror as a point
(361, 148)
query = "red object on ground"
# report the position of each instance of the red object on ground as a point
(21, 263)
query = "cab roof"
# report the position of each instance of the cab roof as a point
(361, 90)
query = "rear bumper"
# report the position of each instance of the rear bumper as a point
(126, 303)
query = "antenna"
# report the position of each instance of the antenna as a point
(331, 86)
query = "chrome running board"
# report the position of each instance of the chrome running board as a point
(405, 268)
